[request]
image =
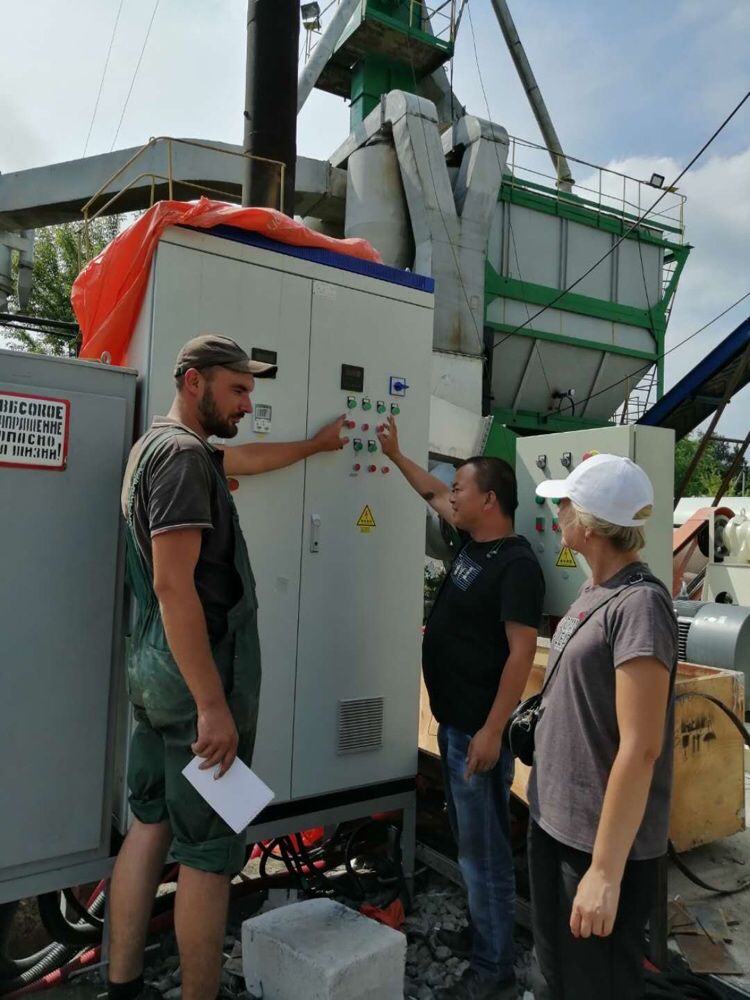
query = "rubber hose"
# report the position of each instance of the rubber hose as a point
(60, 928)
(57, 955)
(679, 863)
(10, 968)
(80, 910)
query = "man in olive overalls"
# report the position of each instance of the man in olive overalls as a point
(194, 663)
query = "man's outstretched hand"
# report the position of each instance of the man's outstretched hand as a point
(329, 437)
(388, 437)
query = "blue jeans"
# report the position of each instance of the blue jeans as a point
(480, 820)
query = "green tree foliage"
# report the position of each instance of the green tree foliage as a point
(710, 471)
(57, 261)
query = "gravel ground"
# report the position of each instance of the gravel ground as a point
(429, 965)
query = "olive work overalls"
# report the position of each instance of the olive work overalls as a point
(165, 710)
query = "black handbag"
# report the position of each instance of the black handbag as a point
(519, 732)
(519, 735)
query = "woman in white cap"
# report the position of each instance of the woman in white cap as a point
(599, 793)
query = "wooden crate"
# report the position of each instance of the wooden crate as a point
(708, 798)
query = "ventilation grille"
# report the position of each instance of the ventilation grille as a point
(683, 627)
(360, 725)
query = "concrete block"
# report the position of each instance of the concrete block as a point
(321, 950)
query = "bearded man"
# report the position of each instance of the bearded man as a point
(194, 659)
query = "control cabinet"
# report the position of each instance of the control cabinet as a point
(337, 541)
(65, 431)
(554, 456)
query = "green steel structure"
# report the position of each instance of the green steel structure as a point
(388, 46)
(654, 232)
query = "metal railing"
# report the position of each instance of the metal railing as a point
(437, 19)
(603, 191)
(92, 211)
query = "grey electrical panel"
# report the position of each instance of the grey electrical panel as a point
(65, 430)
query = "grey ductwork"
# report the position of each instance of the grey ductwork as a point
(450, 231)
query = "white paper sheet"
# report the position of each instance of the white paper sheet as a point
(238, 796)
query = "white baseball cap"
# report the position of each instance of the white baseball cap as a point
(611, 488)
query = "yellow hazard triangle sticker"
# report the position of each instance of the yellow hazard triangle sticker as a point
(366, 521)
(566, 559)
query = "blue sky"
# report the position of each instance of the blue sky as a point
(631, 84)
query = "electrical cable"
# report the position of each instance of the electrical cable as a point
(640, 220)
(81, 911)
(60, 928)
(104, 73)
(674, 857)
(135, 73)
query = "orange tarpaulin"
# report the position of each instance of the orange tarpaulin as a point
(108, 293)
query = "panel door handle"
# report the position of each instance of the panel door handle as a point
(315, 532)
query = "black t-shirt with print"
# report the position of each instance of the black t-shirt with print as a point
(465, 646)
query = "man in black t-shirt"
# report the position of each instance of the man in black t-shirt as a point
(478, 649)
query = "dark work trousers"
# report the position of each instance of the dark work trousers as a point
(593, 968)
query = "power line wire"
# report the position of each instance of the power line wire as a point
(660, 357)
(622, 238)
(639, 221)
(135, 72)
(101, 82)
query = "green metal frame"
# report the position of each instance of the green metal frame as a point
(375, 75)
(559, 338)
(501, 442)
(568, 206)
(528, 422)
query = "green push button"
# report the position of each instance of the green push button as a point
(366, 404)
(372, 445)
(539, 500)
(380, 406)
(395, 409)
(351, 402)
(357, 444)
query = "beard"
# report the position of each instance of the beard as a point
(211, 420)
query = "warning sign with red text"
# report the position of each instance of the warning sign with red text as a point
(33, 431)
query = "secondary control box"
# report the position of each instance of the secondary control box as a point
(554, 456)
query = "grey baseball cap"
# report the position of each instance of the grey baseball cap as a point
(211, 349)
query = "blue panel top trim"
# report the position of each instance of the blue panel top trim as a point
(326, 257)
(689, 386)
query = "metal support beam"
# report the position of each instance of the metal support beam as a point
(732, 471)
(55, 193)
(732, 384)
(534, 94)
(323, 50)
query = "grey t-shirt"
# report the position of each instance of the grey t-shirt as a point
(577, 737)
(178, 489)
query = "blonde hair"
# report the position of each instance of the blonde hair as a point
(624, 539)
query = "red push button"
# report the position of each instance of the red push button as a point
(385, 469)
(372, 468)
(350, 424)
(357, 467)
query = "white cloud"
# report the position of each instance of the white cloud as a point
(717, 220)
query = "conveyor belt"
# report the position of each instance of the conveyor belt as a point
(697, 395)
